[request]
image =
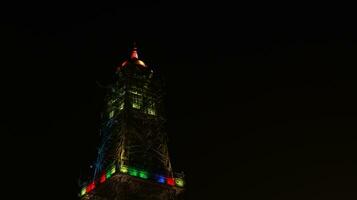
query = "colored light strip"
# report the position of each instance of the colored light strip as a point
(170, 181)
(83, 191)
(143, 174)
(179, 182)
(102, 178)
(123, 169)
(113, 170)
(108, 174)
(136, 173)
(90, 187)
(160, 179)
(133, 172)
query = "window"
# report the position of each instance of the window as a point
(135, 92)
(111, 114)
(137, 100)
(151, 108)
(121, 107)
(136, 105)
(151, 111)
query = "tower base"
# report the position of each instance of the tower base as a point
(124, 187)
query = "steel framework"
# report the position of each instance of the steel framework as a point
(133, 160)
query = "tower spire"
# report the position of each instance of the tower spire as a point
(134, 58)
(134, 52)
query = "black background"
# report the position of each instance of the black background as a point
(261, 96)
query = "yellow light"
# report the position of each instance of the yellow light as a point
(151, 111)
(124, 169)
(121, 106)
(179, 182)
(112, 171)
(111, 114)
(135, 92)
(139, 62)
(83, 191)
(136, 105)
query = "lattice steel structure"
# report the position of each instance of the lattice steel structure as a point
(133, 160)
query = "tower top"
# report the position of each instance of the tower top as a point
(134, 58)
(134, 53)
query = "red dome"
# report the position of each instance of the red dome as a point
(134, 58)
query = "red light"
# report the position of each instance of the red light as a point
(134, 54)
(90, 187)
(170, 181)
(102, 178)
(124, 63)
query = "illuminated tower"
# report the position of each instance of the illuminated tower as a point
(133, 161)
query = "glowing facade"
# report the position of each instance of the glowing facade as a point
(133, 160)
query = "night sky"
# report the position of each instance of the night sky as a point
(261, 97)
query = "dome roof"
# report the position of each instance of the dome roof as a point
(141, 63)
(134, 58)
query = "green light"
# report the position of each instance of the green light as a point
(112, 171)
(143, 174)
(109, 174)
(133, 172)
(179, 182)
(124, 169)
(83, 191)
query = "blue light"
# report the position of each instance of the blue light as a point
(161, 179)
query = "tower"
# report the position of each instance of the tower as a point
(133, 160)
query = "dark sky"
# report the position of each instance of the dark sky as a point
(261, 96)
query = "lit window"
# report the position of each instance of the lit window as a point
(136, 99)
(113, 101)
(121, 107)
(136, 105)
(111, 114)
(135, 92)
(151, 111)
